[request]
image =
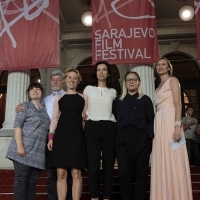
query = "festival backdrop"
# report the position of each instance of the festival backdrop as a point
(29, 34)
(124, 31)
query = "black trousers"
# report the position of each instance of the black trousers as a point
(192, 147)
(52, 178)
(100, 137)
(133, 148)
(25, 181)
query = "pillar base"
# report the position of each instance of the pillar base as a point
(5, 163)
(6, 132)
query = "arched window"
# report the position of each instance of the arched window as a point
(187, 70)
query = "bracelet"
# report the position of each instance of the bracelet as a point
(177, 123)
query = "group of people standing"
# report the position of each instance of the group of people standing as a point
(97, 124)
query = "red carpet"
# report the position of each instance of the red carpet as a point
(7, 180)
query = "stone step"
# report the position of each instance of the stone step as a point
(10, 196)
(10, 173)
(43, 180)
(43, 188)
(84, 196)
(7, 180)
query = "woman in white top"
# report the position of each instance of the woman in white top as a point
(100, 130)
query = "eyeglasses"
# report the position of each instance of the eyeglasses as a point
(132, 80)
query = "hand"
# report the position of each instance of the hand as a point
(50, 145)
(85, 118)
(19, 108)
(192, 122)
(177, 134)
(152, 136)
(21, 151)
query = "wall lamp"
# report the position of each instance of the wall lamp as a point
(186, 12)
(87, 16)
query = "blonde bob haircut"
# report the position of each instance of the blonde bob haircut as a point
(73, 70)
(124, 88)
(170, 72)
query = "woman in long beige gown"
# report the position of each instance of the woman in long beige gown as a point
(170, 173)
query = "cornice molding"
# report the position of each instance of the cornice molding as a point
(169, 30)
(174, 22)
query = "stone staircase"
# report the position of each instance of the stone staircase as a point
(7, 180)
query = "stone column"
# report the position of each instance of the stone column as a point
(18, 82)
(43, 77)
(146, 73)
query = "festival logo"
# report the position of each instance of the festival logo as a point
(26, 30)
(124, 31)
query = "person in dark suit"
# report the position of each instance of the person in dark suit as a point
(135, 115)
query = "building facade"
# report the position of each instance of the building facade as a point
(177, 41)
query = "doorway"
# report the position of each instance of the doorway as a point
(187, 70)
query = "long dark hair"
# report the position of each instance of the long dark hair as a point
(109, 78)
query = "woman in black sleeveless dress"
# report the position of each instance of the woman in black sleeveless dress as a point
(66, 137)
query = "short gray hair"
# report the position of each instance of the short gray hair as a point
(57, 73)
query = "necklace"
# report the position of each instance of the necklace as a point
(37, 106)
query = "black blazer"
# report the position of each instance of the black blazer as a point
(134, 111)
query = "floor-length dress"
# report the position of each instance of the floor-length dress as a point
(170, 173)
